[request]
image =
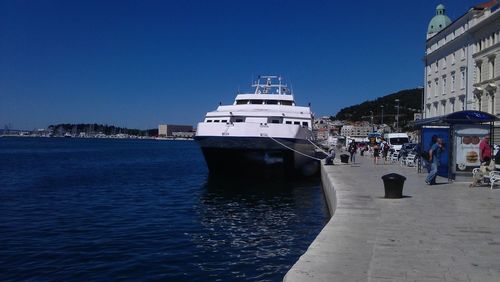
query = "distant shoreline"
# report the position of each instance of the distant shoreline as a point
(102, 137)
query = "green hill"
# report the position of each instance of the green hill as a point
(410, 102)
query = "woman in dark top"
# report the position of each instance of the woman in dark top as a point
(376, 153)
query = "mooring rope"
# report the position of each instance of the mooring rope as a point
(319, 148)
(298, 152)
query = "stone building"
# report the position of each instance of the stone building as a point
(486, 57)
(167, 130)
(452, 56)
(356, 130)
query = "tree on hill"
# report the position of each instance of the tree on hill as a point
(410, 102)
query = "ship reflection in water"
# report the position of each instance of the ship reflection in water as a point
(260, 227)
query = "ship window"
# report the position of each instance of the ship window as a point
(288, 122)
(304, 123)
(257, 102)
(296, 122)
(275, 121)
(238, 120)
(286, 103)
(272, 102)
(241, 102)
(224, 120)
(209, 120)
(216, 120)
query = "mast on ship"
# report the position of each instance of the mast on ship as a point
(268, 86)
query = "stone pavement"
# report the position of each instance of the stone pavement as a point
(445, 232)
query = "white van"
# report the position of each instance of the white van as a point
(396, 140)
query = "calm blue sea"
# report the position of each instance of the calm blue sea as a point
(99, 209)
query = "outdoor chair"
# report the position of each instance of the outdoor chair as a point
(410, 160)
(494, 178)
(394, 157)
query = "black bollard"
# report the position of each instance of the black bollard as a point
(344, 158)
(393, 185)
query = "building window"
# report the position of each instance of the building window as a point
(492, 67)
(452, 82)
(462, 79)
(429, 89)
(463, 54)
(443, 91)
(478, 73)
(453, 58)
(436, 66)
(436, 87)
(444, 62)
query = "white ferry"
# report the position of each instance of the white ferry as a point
(260, 130)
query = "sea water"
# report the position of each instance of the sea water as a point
(110, 209)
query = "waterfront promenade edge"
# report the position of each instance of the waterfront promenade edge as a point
(445, 232)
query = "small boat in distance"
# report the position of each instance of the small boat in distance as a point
(261, 130)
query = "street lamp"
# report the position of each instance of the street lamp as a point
(382, 114)
(397, 114)
(371, 114)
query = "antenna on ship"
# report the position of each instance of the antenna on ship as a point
(257, 85)
(279, 86)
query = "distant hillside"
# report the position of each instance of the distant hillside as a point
(409, 101)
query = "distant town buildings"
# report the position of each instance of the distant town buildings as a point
(324, 127)
(462, 61)
(356, 130)
(171, 130)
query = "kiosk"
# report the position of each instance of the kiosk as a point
(461, 132)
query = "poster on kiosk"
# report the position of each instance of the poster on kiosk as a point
(467, 139)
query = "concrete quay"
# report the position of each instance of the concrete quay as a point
(445, 232)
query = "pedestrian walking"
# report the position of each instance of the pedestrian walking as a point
(434, 156)
(376, 153)
(352, 150)
(385, 150)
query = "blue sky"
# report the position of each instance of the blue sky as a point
(141, 63)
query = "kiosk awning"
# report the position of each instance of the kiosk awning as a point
(461, 117)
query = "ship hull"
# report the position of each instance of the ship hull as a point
(258, 155)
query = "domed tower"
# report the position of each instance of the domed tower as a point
(438, 22)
